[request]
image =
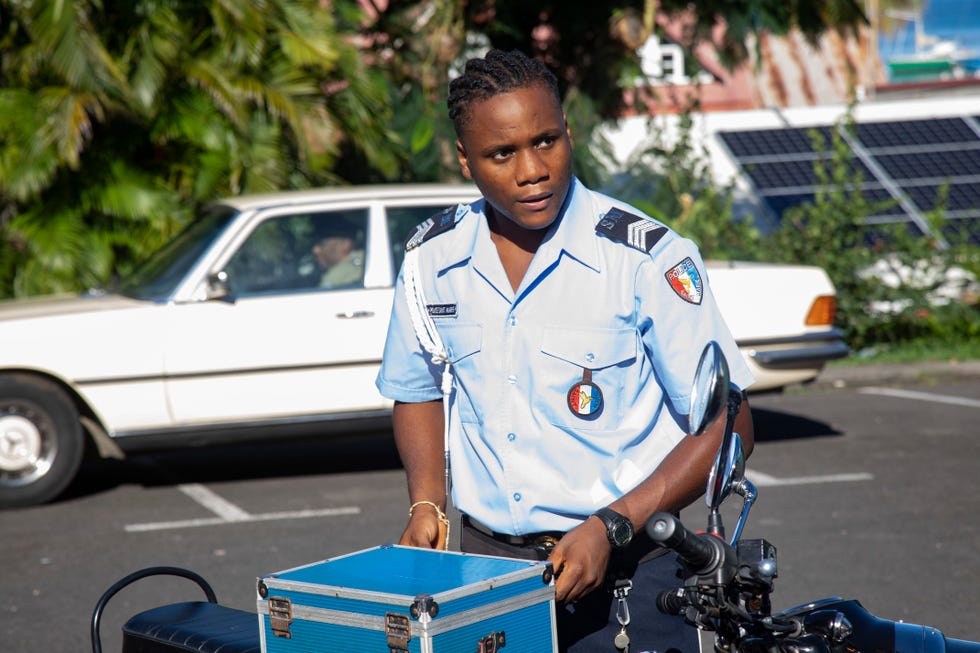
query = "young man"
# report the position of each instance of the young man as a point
(572, 325)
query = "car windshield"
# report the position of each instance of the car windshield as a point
(157, 278)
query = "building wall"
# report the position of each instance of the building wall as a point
(788, 71)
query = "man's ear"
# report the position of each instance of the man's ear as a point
(464, 165)
(568, 130)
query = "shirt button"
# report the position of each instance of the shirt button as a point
(590, 357)
(513, 320)
(511, 437)
(517, 496)
(511, 379)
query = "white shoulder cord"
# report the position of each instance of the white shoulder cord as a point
(425, 330)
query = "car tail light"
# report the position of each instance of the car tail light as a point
(822, 311)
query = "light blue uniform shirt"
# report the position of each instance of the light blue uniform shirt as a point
(522, 459)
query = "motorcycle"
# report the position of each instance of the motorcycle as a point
(729, 582)
(727, 591)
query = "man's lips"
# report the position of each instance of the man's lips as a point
(539, 201)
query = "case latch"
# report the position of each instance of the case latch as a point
(492, 643)
(280, 616)
(398, 630)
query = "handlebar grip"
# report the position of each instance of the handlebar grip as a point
(670, 602)
(698, 552)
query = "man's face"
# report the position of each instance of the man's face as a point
(332, 250)
(517, 148)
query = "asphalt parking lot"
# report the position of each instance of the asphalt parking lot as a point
(868, 487)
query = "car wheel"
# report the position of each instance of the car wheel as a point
(40, 440)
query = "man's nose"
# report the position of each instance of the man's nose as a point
(531, 167)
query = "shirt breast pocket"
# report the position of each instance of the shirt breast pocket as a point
(463, 344)
(586, 373)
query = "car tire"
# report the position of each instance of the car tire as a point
(41, 442)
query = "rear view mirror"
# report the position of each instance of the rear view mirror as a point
(709, 392)
(727, 472)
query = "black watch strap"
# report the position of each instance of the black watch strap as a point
(619, 529)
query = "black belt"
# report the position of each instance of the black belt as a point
(545, 540)
(641, 549)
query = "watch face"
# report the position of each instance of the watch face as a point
(622, 533)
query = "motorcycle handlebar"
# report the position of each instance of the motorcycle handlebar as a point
(671, 602)
(702, 554)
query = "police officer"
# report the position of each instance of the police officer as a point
(569, 326)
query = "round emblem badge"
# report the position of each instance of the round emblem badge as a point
(585, 400)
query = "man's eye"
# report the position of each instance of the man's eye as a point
(500, 155)
(547, 141)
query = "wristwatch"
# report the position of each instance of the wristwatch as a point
(619, 529)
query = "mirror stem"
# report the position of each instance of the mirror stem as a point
(715, 525)
(746, 489)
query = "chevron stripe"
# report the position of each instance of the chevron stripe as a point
(637, 234)
(419, 236)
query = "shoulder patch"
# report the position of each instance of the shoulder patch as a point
(633, 230)
(685, 280)
(439, 223)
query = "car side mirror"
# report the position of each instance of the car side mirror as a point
(218, 286)
(709, 391)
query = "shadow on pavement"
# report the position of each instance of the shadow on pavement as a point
(772, 426)
(363, 452)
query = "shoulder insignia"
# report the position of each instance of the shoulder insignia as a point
(633, 230)
(685, 280)
(439, 223)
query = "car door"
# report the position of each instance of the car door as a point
(280, 346)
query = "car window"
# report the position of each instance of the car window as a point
(159, 276)
(402, 220)
(301, 252)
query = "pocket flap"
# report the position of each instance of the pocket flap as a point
(461, 340)
(590, 348)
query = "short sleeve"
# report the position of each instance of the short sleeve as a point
(679, 316)
(407, 373)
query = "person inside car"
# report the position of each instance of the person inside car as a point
(339, 262)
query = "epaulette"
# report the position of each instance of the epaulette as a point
(636, 231)
(439, 223)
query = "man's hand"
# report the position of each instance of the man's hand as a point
(424, 530)
(580, 559)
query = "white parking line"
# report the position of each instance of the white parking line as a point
(765, 480)
(213, 502)
(229, 513)
(922, 396)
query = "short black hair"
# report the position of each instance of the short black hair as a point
(497, 72)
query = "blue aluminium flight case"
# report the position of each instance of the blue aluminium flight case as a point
(397, 599)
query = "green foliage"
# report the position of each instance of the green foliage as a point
(117, 121)
(894, 285)
(895, 288)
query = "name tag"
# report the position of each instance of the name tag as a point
(441, 310)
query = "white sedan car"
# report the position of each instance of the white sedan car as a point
(230, 332)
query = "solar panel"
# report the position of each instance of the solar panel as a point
(930, 165)
(772, 142)
(963, 230)
(961, 198)
(781, 174)
(901, 165)
(904, 133)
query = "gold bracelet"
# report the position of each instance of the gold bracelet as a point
(440, 515)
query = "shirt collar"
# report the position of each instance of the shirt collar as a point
(574, 234)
